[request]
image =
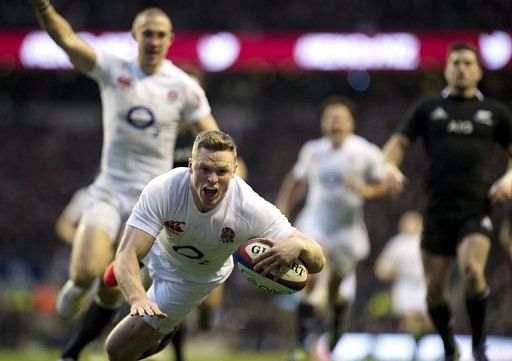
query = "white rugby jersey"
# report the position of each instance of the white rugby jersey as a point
(329, 204)
(403, 252)
(408, 291)
(197, 246)
(141, 114)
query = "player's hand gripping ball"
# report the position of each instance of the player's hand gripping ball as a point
(292, 281)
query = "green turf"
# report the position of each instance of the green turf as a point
(48, 355)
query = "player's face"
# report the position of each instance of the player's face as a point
(211, 173)
(153, 34)
(337, 123)
(462, 71)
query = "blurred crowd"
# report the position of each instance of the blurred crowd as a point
(258, 15)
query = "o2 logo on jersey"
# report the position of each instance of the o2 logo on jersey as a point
(140, 117)
(330, 179)
(192, 253)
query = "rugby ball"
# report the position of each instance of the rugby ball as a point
(292, 281)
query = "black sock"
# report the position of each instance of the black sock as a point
(476, 306)
(305, 322)
(177, 342)
(339, 322)
(204, 319)
(91, 326)
(442, 319)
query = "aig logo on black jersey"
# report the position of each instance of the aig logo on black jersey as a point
(460, 126)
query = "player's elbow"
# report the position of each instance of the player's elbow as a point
(320, 265)
(317, 262)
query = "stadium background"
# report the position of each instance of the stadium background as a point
(50, 136)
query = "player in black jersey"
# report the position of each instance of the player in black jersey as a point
(459, 130)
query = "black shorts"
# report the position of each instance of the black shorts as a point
(443, 231)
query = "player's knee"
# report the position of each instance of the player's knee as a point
(435, 294)
(82, 279)
(84, 273)
(114, 351)
(472, 274)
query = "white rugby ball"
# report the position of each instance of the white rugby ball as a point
(292, 281)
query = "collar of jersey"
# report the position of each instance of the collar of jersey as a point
(445, 93)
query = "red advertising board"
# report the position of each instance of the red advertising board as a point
(270, 52)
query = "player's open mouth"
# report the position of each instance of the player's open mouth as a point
(152, 52)
(210, 191)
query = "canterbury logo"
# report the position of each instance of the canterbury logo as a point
(124, 82)
(174, 226)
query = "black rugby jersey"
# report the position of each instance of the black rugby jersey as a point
(459, 135)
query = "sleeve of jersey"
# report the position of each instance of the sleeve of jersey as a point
(266, 220)
(503, 131)
(149, 212)
(300, 168)
(412, 125)
(196, 105)
(104, 61)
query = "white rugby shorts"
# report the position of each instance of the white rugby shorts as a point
(110, 204)
(345, 246)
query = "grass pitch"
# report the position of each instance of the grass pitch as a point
(197, 355)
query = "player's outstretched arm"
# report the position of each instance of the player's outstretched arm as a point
(393, 153)
(373, 190)
(134, 245)
(290, 194)
(285, 251)
(81, 55)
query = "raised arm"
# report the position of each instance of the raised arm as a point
(134, 245)
(290, 194)
(81, 55)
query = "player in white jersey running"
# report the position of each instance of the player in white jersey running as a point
(339, 171)
(187, 224)
(400, 262)
(144, 99)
